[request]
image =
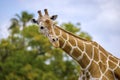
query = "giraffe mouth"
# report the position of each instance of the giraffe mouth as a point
(55, 44)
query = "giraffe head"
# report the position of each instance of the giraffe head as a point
(46, 26)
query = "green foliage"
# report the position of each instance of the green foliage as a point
(85, 35)
(37, 60)
(24, 17)
(76, 30)
(70, 27)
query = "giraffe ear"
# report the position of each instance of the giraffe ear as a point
(34, 21)
(54, 17)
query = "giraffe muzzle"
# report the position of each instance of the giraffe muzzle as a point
(54, 39)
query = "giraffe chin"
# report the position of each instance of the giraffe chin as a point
(56, 44)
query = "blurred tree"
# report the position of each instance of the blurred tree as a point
(14, 23)
(76, 30)
(38, 60)
(71, 27)
(24, 17)
(20, 21)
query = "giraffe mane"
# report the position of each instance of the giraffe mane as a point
(72, 34)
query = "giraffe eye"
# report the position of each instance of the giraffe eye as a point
(41, 27)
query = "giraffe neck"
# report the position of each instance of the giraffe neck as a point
(74, 46)
(95, 62)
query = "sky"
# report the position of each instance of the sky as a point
(99, 18)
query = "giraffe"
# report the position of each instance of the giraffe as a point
(95, 62)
